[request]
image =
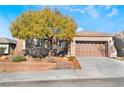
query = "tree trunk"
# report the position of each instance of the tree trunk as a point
(19, 47)
(50, 48)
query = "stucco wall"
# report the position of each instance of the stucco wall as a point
(92, 38)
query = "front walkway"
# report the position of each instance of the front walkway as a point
(92, 68)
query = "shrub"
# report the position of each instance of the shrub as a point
(19, 58)
(38, 52)
(71, 58)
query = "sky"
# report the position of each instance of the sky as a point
(88, 18)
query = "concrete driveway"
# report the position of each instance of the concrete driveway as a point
(96, 71)
(101, 66)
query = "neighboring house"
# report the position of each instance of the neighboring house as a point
(8, 45)
(119, 43)
(87, 43)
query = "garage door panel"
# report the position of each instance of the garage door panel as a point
(84, 48)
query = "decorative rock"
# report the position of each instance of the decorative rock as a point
(64, 65)
(3, 58)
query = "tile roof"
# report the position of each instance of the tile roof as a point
(94, 34)
(8, 41)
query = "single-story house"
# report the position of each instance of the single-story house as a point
(88, 43)
(8, 45)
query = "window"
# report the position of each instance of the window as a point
(37, 42)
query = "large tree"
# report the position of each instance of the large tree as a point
(46, 24)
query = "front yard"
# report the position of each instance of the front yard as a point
(36, 64)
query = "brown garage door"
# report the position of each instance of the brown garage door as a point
(91, 48)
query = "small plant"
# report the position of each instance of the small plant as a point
(71, 58)
(19, 58)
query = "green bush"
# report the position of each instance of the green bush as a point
(19, 58)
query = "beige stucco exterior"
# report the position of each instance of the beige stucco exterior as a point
(111, 53)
